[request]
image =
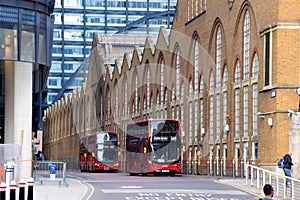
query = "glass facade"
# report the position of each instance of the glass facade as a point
(26, 34)
(76, 21)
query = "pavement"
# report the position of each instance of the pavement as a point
(80, 190)
(52, 190)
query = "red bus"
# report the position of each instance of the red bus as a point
(153, 146)
(99, 152)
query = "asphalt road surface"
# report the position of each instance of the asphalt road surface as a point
(121, 186)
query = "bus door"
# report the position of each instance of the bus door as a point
(144, 149)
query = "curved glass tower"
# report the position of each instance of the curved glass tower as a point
(26, 34)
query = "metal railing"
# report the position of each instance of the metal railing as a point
(50, 171)
(258, 177)
(215, 167)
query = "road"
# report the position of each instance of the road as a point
(121, 186)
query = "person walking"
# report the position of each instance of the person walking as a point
(268, 191)
(287, 166)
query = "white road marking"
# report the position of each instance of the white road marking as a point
(130, 187)
(175, 191)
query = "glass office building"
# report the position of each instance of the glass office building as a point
(26, 33)
(25, 37)
(76, 21)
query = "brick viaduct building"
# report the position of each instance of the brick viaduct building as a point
(228, 70)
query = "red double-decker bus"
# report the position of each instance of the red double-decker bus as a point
(153, 146)
(99, 152)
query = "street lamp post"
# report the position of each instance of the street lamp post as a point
(298, 93)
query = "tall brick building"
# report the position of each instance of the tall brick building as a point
(228, 70)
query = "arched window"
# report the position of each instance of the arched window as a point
(255, 66)
(178, 74)
(218, 58)
(161, 64)
(196, 83)
(225, 76)
(255, 71)
(196, 65)
(182, 107)
(224, 96)
(136, 90)
(237, 77)
(190, 131)
(211, 107)
(117, 102)
(148, 84)
(211, 81)
(108, 104)
(173, 100)
(201, 103)
(125, 96)
(246, 53)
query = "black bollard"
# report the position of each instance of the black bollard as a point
(22, 189)
(2, 191)
(30, 189)
(12, 190)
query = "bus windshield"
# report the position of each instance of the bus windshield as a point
(164, 141)
(137, 129)
(106, 147)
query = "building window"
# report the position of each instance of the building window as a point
(211, 107)
(256, 150)
(255, 109)
(211, 118)
(218, 116)
(73, 3)
(188, 10)
(224, 111)
(246, 111)
(148, 83)
(211, 82)
(225, 76)
(255, 66)
(196, 65)
(101, 110)
(237, 113)
(125, 111)
(182, 107)
(218, 58)
(117, 102)
(267, 58)
(54, 82)
(178, 74)
(201, 116)
(190, 123)
(201, 113)
(136, 90)
(237, 77)
(190, 112)
(246, 45)
(161, 63)
(201, 84)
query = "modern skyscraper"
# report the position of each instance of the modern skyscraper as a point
(76, 21)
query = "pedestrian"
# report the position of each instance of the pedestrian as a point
(268, 191)
(287, 167)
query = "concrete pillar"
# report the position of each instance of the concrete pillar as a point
(18, 111)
